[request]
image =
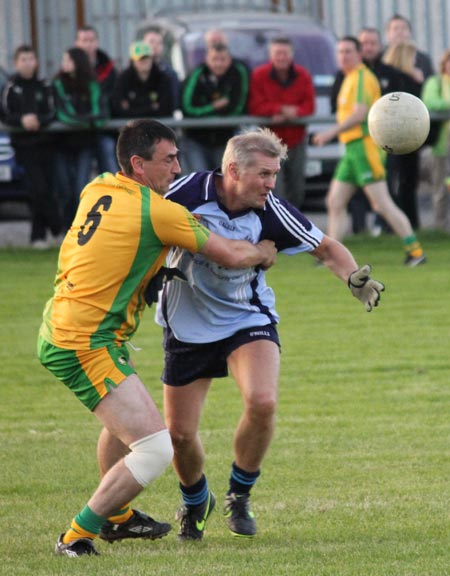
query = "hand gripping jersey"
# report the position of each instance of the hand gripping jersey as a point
(215, 302)
(118, 241)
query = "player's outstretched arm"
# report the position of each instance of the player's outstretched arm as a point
(340, 261)
(239, 253)
(336, 257)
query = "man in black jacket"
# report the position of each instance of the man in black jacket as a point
(105, 71)
(142, 90)
(154, 37)
(28, 104)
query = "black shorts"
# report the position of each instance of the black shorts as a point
(185, 362)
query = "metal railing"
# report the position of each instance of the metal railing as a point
(114, 124)
(216, 122)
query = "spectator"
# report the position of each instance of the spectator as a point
(153, 36)
(388, 78)
(106, 75)
(215, 36)
(403, 169)
(105, 70)
(218, 87)
(79, 104)
(142, 89)
(436, 95)
(398, 29)
(362, 165)
(372, 56)
(28, 103)
(219, 36)
(283, 91)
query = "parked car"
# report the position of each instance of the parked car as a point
(13, 196)
(249, 34)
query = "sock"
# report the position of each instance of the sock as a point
(121, 516)
(241, 481)
(196, 494)
(86, 524)
(412, 246)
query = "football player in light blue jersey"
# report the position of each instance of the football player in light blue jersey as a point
(216, 319)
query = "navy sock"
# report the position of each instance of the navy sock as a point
(196, 494)
(241, 481)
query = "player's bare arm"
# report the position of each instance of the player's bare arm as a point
(358, 116)
(239, 253)
(336, 257)
(341, 262)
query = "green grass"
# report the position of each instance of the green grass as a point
(356, 482)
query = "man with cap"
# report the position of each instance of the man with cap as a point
(142, 89)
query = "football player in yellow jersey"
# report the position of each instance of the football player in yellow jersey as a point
(363, 162)
(116, 245)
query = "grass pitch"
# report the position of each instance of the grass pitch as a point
(356, 482)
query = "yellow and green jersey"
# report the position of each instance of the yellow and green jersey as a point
(360, 86)
(118, 241)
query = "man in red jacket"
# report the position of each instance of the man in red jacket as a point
(284, 90)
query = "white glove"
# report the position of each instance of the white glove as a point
(364, 287)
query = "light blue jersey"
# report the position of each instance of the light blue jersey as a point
(215, 302)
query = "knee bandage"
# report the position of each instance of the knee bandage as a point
(149, 457)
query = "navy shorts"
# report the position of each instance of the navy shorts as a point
(185, 362)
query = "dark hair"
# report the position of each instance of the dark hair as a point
(399, 17)
(282, 40)
(154, 28)
(352, 39)
(23, 49)
(87, 29)
(371, 30)
(83, 75)
(139, 137)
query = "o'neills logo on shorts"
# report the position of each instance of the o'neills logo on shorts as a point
(260, 333)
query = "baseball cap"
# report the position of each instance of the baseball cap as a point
(140, 50)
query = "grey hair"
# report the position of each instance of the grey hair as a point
(241, 149)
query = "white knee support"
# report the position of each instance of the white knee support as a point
(149, 457)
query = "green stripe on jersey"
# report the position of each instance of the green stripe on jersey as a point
(148, 251)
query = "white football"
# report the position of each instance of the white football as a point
(399, 122)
